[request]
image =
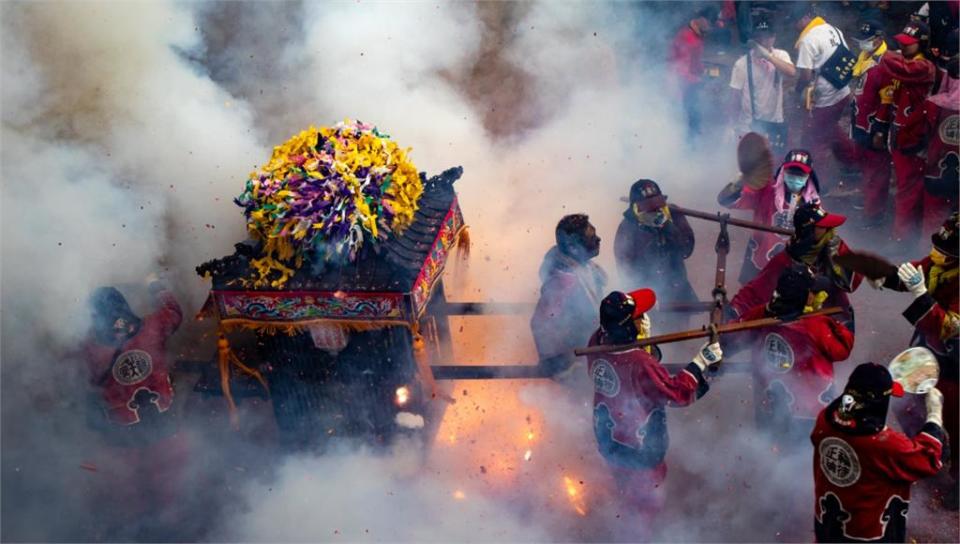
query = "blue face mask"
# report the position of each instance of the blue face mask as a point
(795, 182)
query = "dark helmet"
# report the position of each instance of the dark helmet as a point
(790, 296)
(619, 310)
(946, 239)
(108, 304)
(862, 408)
(812, 215)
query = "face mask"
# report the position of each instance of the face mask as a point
(794, 182)
(939, 259)
(656, 219)
(866, 46)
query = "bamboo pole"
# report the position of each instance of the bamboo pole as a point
(720, 218)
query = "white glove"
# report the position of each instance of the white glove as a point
(709, 354)
(876, 284)
(912, 278)
(934, 402)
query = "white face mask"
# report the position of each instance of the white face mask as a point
(866, 45)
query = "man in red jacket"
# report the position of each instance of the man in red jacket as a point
(934, 282)
(913, 77)
(942, 128)
(631, 392)
(813, 244)
(862, 469)
(793, 362)
(685, 59)
(872, 91)
(143, 451)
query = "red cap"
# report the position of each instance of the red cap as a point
(831, 220)
(897, 390)
(643, 301)
(799, 158)
(799, 165)
(914, 32)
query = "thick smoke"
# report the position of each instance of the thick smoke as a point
(118, 159)
(128, 128)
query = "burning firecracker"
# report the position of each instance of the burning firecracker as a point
(326, 192)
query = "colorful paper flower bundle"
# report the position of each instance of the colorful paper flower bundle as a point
(324, 194)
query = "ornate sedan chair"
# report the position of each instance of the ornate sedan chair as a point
(345, 349)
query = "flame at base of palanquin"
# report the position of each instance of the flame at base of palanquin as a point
(489, 433)
(494, 444)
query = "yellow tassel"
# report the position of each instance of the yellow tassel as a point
(463, 244)
(223, 360)
(422, 359)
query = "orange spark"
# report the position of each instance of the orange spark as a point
(575, 496)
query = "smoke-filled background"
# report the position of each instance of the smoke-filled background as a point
(129, 127)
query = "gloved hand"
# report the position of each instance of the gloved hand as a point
(644, 326)
(709, 354)
(912, 278)
(934, 402)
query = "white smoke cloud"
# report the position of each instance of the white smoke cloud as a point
(362, 497)
(127, 129)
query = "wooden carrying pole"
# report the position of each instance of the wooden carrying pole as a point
(725, 218)
(527, 308)
(703, 332)
(534, 372)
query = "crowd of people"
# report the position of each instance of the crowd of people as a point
(871, 108)
(889, 112)
(863, 468)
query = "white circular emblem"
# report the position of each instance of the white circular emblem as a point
(950, 130)
(839, 462)
(777, 353)
(605, 379)
(132, 367)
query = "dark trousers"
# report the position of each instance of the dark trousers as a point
(875, 166)
(827, 142)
